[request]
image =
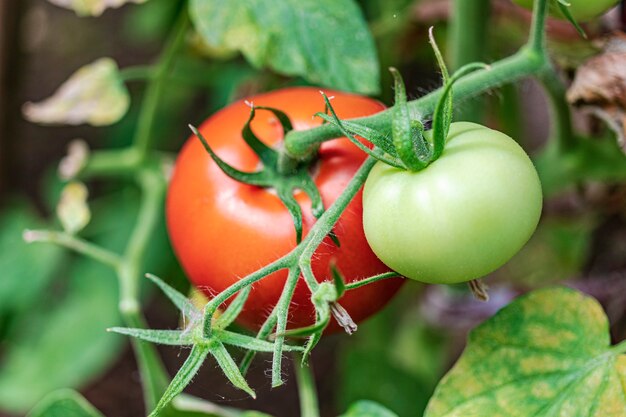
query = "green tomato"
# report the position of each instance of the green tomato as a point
(581, 10)
(462, 217)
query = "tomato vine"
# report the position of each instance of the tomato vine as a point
(145, 166)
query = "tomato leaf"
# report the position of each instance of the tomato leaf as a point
(92, 7)
(16, 292)
(64, 403)
(95, 94)
(368, 409)
(325, 41)
(546, 354)
(75, 321)
(183, 377)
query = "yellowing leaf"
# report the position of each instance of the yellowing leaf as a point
(547, 354)
(73, 210)
(92, 7)
(95, 94)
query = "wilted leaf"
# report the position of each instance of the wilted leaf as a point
(64, 403)
(547, 354)
(325, 41)
(368, 409)
(600, 86)
(92, 7)
(75, 160)
(73, 211)
(95, 95)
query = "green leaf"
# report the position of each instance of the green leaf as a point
(64, 403)
(92, 7)
(62, 342)
(547, 354)
(325, 41)
(95, 94)
(23, 280)
(368, 409)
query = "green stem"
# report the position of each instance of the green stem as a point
(561, 118)
(263, 334)
(153, 374)
(282, 315)
(143, 135)
(523, 64)
(76, 244)
(467, 42)
(358, 284)
(537, 39)
(309, 405)
(138, 73)
(212, 306)
(152, 186)
(112, 162)
(326, 222)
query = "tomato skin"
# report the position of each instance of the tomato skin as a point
(222, 230)
(460, 218)
(581, 10)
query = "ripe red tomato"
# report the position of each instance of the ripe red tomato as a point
(222, 230)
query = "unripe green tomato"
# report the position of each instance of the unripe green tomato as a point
(460, 218)
(581, 10)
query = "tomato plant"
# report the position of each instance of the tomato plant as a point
(461, 217)
(581, 10)
(222, 229)
(268, 215)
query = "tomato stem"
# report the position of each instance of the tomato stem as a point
(309, 405)
(76, 244)
(156, 86)
(467, 40)
(561, 129)
(282, 315)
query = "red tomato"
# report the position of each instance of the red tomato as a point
(222, 230)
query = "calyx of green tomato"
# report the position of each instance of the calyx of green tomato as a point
(270, 176)
(406, 147)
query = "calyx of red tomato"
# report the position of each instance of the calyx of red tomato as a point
(406, 146)
(270, 176)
